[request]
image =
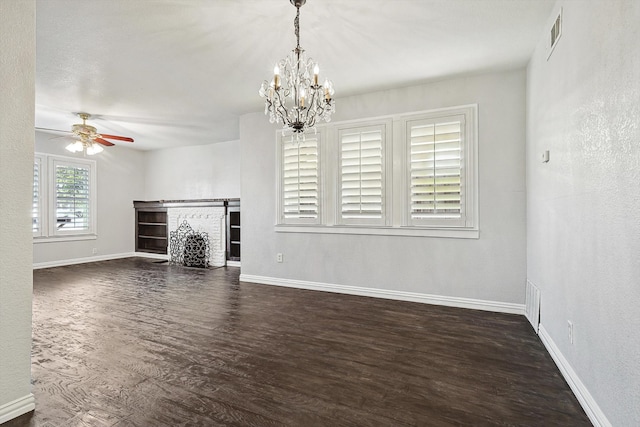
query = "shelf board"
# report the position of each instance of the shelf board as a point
(235, 226)
(152, 223)
(153, 251)
(140, 236)
(234, 242)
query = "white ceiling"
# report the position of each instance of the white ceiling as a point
(182, 72)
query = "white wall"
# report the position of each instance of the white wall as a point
(120, 175)
(491, 268)
(195, 172)
(17, 95)
(583, 207)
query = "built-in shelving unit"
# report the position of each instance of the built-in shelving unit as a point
(233, 231)
(151, 230)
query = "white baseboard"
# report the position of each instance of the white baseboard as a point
(496, 306)
(151, 255)
(72, 261)
(18, 407)
(588, 403)
(233, 263)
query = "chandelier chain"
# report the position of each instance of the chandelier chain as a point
(296, 24)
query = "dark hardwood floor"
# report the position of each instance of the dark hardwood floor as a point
(136, 343)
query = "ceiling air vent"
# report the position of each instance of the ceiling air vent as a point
(555, 33)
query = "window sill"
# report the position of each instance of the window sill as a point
(66, 238)
(451, 233)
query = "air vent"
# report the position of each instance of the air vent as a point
(532, 305)
(555, 33)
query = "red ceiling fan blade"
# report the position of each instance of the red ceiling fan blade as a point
(119, 138)
(103, 142)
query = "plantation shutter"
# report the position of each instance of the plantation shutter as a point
(72, 197)
(361, 174)
(436, 168)
(36, 210)
(300, 180)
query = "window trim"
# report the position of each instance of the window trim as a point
(385, 127)
(39, 159)
(397, 223)
(280, 211)
(469, 174)
(49, 231)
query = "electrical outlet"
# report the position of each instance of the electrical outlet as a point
(545, 156)
(570, 325)
(279, 257)
(95, 251)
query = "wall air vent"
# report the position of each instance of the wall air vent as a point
(555, 33)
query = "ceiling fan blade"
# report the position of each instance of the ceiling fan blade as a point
(103, 142)
(119, 138)
(53, 130)
(69, 137)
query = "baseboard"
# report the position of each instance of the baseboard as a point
(233, 263)
(151, 255)
(63, 262)
(588, 403)
(18, 407)
(500, 307)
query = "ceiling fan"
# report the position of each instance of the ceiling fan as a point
(86, 137)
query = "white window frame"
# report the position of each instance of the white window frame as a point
(397, 208)
(40, 161)
(467, 115)
(384, 127)
(281, 219)
(49, 232)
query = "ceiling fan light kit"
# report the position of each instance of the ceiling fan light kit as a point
(86, 145)
(296, 81)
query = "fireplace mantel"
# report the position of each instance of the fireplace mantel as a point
(192, 203)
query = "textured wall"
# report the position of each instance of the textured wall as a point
(120, 175)
(17, 83)
(583, 207)
(197, 172)
(491, 268)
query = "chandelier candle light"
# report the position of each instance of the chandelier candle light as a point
(296, 78)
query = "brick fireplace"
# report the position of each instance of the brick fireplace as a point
(207, 219)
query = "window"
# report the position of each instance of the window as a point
(408, 174)
(436, 173)
(36, 208)
(72, 197)
(300, 180)
(361, 177)
(441, 172)
(64, 198)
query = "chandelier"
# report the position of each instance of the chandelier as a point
(294, 97)
(85, 144)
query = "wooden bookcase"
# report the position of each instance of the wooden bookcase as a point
(233, 231)
(151, 230)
